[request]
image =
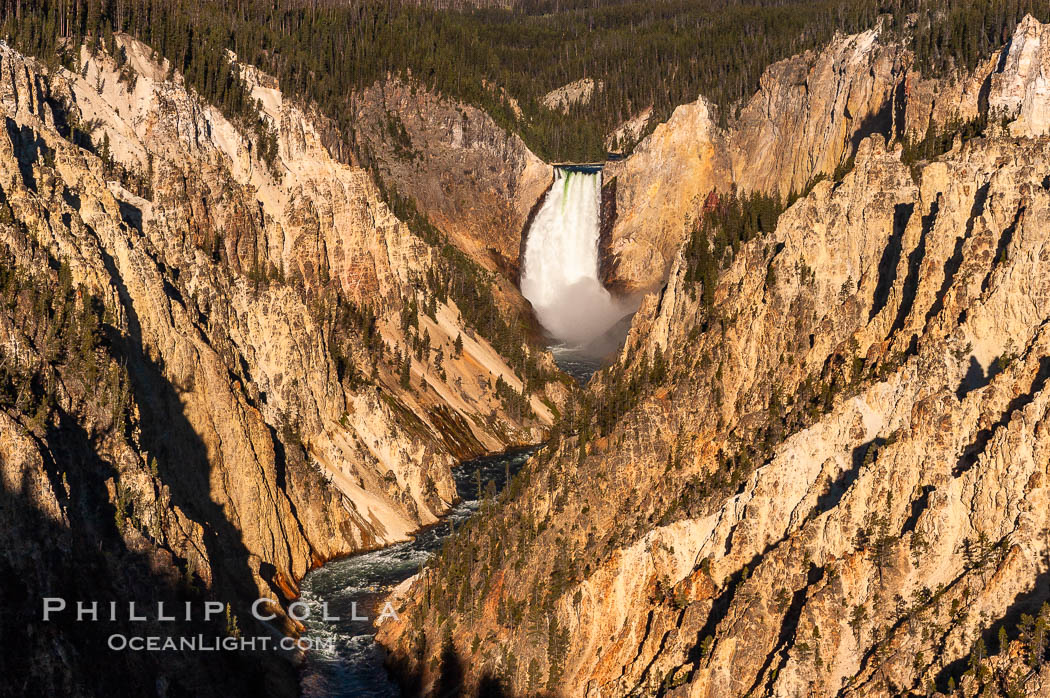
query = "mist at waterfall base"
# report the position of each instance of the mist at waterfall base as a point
(560, 277)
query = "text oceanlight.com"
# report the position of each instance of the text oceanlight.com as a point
(214, 643)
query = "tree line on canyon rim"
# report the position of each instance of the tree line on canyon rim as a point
(305, 44)
(658, 54)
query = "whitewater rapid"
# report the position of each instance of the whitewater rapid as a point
(560, 273)
(345, 661)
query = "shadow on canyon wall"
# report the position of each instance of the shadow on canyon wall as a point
(90, 554)
(84, 559)
(181, 456)
(450, 680)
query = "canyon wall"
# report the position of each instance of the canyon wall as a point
(472, 179)
(824, 475)
(805, 122)
(219, 369)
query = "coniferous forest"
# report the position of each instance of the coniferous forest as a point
(658, 54)
(814, 464)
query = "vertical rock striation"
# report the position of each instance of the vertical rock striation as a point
(247, 368)
(805, 122)
(830, 478)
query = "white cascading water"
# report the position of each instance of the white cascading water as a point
(560, 275)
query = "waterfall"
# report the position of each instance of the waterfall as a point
(560, 272)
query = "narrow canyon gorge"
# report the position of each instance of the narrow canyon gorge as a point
(755, 406)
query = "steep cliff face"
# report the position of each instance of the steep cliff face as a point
(659, 189)
(805, 122)
(472, 179)
(826, 477)
(282, 372)
(1017, 89)
(808, 116)
(811, 111)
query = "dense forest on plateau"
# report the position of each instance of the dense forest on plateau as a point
(658, 53)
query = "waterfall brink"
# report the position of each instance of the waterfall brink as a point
(560, 274)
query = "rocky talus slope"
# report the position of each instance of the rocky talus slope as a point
(825, 475)
(215, 371)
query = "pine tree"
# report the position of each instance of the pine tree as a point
(105, 154)
(406, 372)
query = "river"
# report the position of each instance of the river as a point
(354, 667)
